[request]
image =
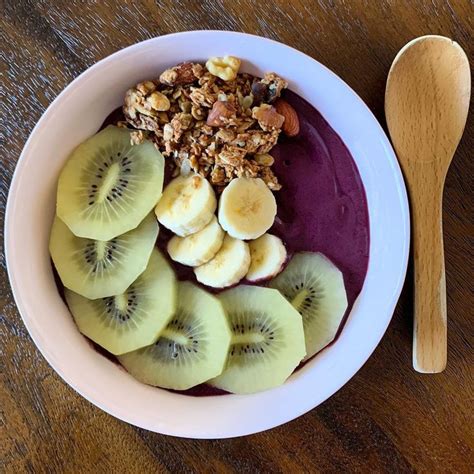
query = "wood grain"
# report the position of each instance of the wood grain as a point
(388, 418)
(426, 105)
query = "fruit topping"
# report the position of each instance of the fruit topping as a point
(192, 348)
(247, 208)
(228, 267)
(315, 287)
(267, 340)
(267, 256)
(198, 248)
(134, 318)
(99, 268)
(187, 205)
(108, 186)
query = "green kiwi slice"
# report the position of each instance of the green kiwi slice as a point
(108, 186)
(134, 318)
(191, 350)
(98, 268)
(315, 287)
(267, 340)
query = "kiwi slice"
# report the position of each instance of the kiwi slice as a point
(315, 287)
(191, 350)
(98, 268)
(134, 318)
(108, 186)
(267, 340)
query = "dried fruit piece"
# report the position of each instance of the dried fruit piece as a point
(220, 110)
(267, 116)
(269, 88)
(259, 91)
(226, 68)
(275, 85)
(291, 125)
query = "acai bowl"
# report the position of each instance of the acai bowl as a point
(370, 193)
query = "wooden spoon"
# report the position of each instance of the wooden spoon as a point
(426, 105)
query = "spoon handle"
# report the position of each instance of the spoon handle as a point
(430, 328)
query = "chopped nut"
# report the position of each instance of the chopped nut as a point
(267, 116)
(264, 159)
(159, 101)
(183, 73)
(220, 111)
(226, 68)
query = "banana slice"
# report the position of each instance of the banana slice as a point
(228, 267)
(268, 254)
(198, 248)
(247, 208)
(187, 205)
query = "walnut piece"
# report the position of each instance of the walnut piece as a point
(267, 116)
(226, 68)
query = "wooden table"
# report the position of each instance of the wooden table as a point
(388, 418)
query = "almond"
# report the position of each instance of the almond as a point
(291, 125)
(220, 110)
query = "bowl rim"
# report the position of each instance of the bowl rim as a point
(196, 431)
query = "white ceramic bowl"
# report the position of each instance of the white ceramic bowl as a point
(76, 114)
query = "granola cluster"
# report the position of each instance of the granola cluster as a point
(210, 119)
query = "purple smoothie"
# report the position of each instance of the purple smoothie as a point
(322, 205)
